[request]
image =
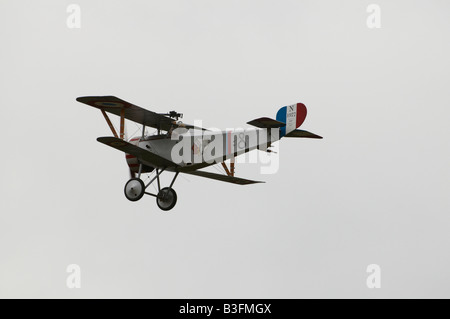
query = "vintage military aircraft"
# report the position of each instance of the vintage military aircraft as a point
(166, 151)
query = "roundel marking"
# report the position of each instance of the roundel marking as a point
(109, 104)
(116, 143)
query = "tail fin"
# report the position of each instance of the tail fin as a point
(293, 115)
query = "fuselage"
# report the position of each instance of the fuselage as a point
(195, 149)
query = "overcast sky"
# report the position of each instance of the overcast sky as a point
(375, 190)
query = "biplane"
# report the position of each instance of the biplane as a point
(162, 151)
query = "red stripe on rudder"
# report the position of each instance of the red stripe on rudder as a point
(301, 114)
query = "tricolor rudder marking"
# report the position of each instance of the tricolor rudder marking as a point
(293, 115)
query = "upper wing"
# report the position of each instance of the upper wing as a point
(301, 133)
(142, 154)
(223, 178)
(132, 112)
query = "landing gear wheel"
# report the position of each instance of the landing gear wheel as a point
(134, 189)
(167, 198)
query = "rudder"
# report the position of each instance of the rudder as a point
(293, 115)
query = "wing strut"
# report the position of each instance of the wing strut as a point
(109, 123)
(230, 172)
(122, 123)
(232, 166)
(111, 126)
(225, 167)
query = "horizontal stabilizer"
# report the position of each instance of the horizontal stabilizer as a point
(301, 133)
(223, 178)
(142, 154)
(265, 122)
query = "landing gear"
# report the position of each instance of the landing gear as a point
(134, 189)
(166, 197)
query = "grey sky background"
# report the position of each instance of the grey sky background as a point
(373, 191)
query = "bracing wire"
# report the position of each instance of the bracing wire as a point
(218, 169)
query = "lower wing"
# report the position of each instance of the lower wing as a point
(223, 178)
(142, 154)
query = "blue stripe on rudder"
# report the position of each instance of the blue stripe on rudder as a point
(281, 117)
